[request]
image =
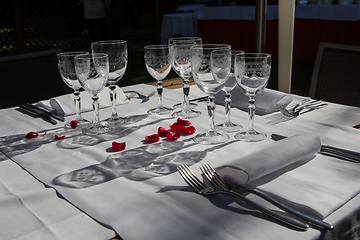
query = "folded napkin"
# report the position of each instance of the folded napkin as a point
(265, 101)
(270, 158)
(64, 104)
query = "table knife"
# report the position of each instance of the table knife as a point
(331, 151)
(42, 114)
(37, 109)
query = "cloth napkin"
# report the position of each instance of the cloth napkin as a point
(270, 158)
(265, 101)
(65, 104)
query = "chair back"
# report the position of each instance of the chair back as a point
(30, 78)
(336, 75)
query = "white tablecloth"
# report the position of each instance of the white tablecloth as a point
(138, 191)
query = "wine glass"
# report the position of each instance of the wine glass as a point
(118, 55)
(92, 71)
(68, 74)
(180, 62)
(228, 125)
(252, 72)
(210, 65)
(157, 63)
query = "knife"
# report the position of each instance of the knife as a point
(38, 112)
(35, 109)
(331, 151)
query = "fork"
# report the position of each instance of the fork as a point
(202, 189)
(220, 184)
(296, 113)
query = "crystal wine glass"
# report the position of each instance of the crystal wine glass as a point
(92, 71)
(252, 72)
(68, 75)
(228, 125)
(180, 62)
(157, 63)
(210, 65)
(118, 55)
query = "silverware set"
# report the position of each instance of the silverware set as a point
(290, 216)
(143, 97)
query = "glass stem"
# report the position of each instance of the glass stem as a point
(113, 100)
(95, 99)
(77, 104)
(160, 92)
(211, 111)
(227, 106)
(186, 90)
(251, 109)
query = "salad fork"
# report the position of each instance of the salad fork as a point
(202, 189)
(220, 184)
(290, 114)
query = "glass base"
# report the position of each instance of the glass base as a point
(186, 114)
(160, 110)
(228, 127)
(83, 123)
(250, 136)
(96, 129)
(181, 106)
(210, 138)
(114, 121)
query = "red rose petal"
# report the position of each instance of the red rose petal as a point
(118, 146)
(74, 124)
(183, 122)
(152, 138)
(32, 135)
(59, 137)
(188, 130)
(176, 126)
(163, 132)
(173, 136)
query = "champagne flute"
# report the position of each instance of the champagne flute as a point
(118, 55)
(228, 125)
(68, 74)
(92, 71)
(180, 62)
(210, 65)
(252, 72)
(157, 63)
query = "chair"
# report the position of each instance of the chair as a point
(336, 75)
(30, 78)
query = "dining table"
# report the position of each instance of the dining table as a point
(63, 184)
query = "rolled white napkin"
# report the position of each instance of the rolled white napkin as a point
(270, 158)
(64, 104)
(265, 101)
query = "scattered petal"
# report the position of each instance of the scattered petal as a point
(152, 138)
(163, 132)
(188, 130)
(32, 135)
(173, 136)
(44, 134)
(74, 124)
(59, 137)
(183, 122)
(176, 126)
(118, 146)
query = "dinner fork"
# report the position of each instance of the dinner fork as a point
(220, 184)
(290, 114)
(201, 188)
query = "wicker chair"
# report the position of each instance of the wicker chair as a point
(29, 78)
(336, 75)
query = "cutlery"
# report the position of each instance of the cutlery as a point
(45, 115)
(200, 99)
(202, 189)
(291, 114)
(37, 109)
(145, 99)
(137, 93)
(220, 184)
(306, 102)
(331, 151)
